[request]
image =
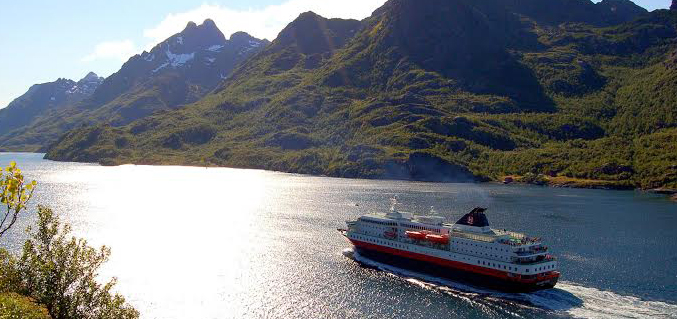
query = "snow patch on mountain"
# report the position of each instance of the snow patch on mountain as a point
(162, 66)
(215, 48)
(176, 60)
(85, 86)
(73, 90)
(252, 45)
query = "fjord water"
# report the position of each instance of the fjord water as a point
(193, 242)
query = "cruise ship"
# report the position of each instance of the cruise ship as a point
(469, 250)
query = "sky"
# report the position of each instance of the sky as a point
(46, 40)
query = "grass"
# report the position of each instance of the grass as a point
(15, 306)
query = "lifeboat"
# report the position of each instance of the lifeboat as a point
(438, 239)
(415, 234)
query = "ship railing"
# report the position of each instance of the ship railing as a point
(512, 234)
(539, 260)
(517, 243)
(473, 236)
(533, 250)
(529, 253)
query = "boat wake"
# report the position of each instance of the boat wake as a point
(567, 299)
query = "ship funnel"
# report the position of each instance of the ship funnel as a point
(475, 218)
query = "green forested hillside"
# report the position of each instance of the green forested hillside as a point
(435, 90)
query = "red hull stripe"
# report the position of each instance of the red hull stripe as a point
(450, 263)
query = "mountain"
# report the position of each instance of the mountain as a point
(177, 71)
(618, 11)
(555, 12)
(46, 96)
(444, 90)
(674, 5)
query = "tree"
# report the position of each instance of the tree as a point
(61, 272)
(14, 195)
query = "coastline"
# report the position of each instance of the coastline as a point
(539, 180)
(563, 181)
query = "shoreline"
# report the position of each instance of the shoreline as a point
(540, 180)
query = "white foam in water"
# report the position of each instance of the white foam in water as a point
(605, 304)
(569, 298)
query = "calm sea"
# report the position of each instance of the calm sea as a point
(228, 243)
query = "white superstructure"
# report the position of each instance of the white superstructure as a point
(470, 244)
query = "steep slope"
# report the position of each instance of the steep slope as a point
(175, 72)
(435, 90)
(619, 11)
(178, 71)
(555, 12)
(47, 96)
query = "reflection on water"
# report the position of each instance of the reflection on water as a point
(225, 243)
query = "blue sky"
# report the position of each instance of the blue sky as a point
(46, 40)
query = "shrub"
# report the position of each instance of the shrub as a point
(14, 195)
(61, 272)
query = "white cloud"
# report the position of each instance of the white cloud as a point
(119, 50)
(266, 22)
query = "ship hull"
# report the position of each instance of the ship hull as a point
(414, 262)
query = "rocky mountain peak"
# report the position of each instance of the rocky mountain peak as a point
(312, 33)
(209, 23)
(91, 77)
(186, 65)
(86, 86)
(309, 15)
(45, 96)
(240, 36)
(246, 42)
(190, 25)
(618, 11)
(181, 48)
(199, 36)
